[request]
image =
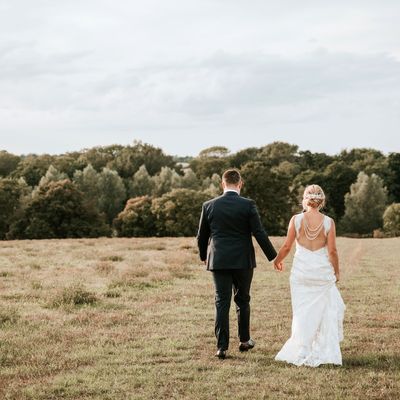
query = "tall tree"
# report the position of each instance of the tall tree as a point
(314, 161)
(131, 158)
(190, 180)
(142, 183)
(393, 177)
(11, 194)
(8, 163)
(271, 194)
(364, 205)
(112, 193)
(32, 167)
(338, 177)
(167, 180)
(214, 152)
(277, 152)
(52, 175)
(87, 182)
(242, 157)
(99, 157)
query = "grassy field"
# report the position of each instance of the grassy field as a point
(133, 319)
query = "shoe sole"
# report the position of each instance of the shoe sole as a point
(245, 348)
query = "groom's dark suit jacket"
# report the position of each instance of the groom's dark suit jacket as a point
(224, 237)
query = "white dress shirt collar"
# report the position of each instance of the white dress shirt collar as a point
(231, 190)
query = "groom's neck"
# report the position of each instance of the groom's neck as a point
(232, 189)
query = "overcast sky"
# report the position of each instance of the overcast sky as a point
(188, 74)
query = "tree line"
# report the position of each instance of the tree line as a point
(138, 190)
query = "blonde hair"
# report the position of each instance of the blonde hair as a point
(313, 197)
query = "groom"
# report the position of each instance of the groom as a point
(224, 240)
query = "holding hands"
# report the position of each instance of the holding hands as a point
(278, 265)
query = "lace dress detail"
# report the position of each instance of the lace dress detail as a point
(317, 306)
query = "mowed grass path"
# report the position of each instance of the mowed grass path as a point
(133, 319)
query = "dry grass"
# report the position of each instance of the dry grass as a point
(133, 319)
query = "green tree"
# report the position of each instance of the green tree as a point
(177, 212)
(337, 179)
(364, 205)
(58, 211)
(211, 160)
(137, 219)
(112, 194)
(314, 161)
(131, 158)
(214, 152)
(142, 183)
(167, 180)
(277, 152)
(190, 180)
(69, 163)
(271, 193)
(242, 157)
(87, 181)
(100, 156)
(391, 220)
(8, 163)
(366, 160)
(212, 186)
(52, 175)
(11, 194)
(393, 177)
(287, 168)
(32, 167)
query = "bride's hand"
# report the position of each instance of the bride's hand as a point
(278, 266)
(337, 274)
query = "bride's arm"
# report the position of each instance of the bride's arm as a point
(332, 250)
(287, 245)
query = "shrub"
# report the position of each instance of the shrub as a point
(75, 295)
(8, 316)
(391, 220)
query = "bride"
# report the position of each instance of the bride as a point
(318, 308)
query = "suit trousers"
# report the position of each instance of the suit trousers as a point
(240, 281)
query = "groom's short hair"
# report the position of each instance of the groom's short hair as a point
(232, 176)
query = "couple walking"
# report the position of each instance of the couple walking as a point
(227, 224)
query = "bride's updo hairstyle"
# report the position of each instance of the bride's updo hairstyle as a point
(313, 197)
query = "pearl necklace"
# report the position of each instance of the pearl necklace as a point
(312, 234)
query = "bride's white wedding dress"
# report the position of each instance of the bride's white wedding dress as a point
(318, 308)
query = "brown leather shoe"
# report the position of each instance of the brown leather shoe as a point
(246, 346)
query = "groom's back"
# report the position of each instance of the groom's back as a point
(230, 246)
(229, 216)
(226, 225)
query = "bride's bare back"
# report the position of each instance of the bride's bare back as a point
(312, 233)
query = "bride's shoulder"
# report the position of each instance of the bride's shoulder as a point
(296, 219)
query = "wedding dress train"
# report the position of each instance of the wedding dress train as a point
(318, 308)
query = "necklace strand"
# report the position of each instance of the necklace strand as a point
(310, 233)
